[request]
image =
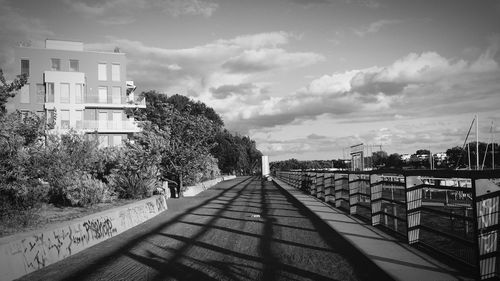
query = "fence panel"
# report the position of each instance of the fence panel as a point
(487, 193)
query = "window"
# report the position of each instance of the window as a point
(64, 93)
(55, 64)
(103, 94)
(79, 118)
(79, 93)
(116, 95)
(90, 114)
(25, 67)
(74, 65)
(40, 113)
(103, 141)
(50, 92)
(102, 72)
(103, 120)
(115, 72)
(51, 116)
(117, 140)
(40, 93)
(25, 94)
(65, 119)
(117, 120)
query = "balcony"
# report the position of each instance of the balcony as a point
(102, 126)
(109, 102)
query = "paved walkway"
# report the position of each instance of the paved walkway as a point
(399, 260)
(242, 229)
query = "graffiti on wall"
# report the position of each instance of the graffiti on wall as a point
(488, 216)
(45, 248)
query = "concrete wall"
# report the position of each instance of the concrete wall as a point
(195, 189)
(23, 253)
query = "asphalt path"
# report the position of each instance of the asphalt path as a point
(241, 229)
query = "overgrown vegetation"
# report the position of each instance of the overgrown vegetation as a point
(181, 141)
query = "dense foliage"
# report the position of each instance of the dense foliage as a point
(178, 141)
(294, 164)
(236, 154)
(190, 140)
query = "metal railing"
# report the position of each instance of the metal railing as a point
(454, 214)
(108, 125)
(123, 100)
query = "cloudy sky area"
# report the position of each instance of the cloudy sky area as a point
(305, 79)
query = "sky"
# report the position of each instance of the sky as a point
(304, 79)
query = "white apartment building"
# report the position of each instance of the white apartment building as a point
(84, 90)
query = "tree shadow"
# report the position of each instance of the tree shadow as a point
(178, 262)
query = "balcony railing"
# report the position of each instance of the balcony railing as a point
(99, 125)
(124, 101)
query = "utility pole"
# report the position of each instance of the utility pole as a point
(477, 142)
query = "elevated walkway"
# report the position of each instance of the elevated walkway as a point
(398, 260)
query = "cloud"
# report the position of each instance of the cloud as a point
(374, 27)
(372, 4)
(223, 73)
(225, 91)
(116, 12)
(414, 86)
(266, 59)
(109, 12)
(18, 28)
(188, 7)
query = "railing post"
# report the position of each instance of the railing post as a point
(353, 193)
(312, 187)
(330, 188)
(320, 185)
(341, 184)
(376, 198)
(487, 195)
(413, 204)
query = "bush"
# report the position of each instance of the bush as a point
(80, 189)
(207, 169)
(136, 184)
(85, 190)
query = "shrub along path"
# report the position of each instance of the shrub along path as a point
(242, 229)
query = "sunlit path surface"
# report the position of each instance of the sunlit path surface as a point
(242, 229)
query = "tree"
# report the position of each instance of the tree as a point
(379, 159)
(394, 161)
(8, 90)
(185, 105)
(457, 157)
(186, 138)
(423, 152)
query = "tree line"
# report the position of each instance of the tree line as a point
(456, 158)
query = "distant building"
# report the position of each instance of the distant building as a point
(440, 156)
(84, 90)
(405, 157)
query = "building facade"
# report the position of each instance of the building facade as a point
(83, 90)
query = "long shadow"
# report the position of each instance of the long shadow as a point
(174, 267)
(271, 268)
(265, 245)
(105, 260)
(227, 268)
(270, 263)
(363, 265)
(164, 272)
(276, 224)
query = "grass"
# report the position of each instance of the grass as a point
(48, 214)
